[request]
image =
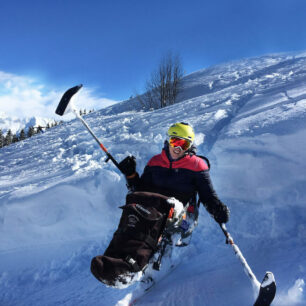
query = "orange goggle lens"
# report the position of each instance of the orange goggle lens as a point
(179, 142)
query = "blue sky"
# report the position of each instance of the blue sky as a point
(113, 46)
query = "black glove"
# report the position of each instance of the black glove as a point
(128, 165)
(221, 214)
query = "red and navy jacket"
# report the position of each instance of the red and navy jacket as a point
(180, 178)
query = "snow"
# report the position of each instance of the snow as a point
(59, 199)
(220, 114)
(269, 279)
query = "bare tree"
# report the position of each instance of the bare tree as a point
(164, 85)
(148, 100)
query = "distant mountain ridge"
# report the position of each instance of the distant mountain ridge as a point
(16, 124)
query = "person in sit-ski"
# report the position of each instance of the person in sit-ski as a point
(177, 172)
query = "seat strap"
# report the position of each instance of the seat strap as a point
(133, 263)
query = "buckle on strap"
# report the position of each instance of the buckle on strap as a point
(133, 263)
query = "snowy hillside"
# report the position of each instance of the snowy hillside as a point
(59, 199)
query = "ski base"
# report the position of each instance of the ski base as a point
(267, 290)
(62, 106)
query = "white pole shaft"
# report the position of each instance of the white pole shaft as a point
(247, 269)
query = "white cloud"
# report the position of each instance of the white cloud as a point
(25, 97)
(294, 296)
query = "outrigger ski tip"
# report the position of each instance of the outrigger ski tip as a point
(267, 290)
(62, 106)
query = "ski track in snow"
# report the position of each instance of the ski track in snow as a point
(59, 199)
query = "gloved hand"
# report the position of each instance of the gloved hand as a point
(128, 165)
(221, 215)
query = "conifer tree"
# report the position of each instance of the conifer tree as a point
(15, 138)
(31, 131)
(1, 139)
(8, 138)
(22, 135)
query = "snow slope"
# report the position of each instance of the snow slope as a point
(59, 199)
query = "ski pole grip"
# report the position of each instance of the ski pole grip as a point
(224, 230)
(229, 239)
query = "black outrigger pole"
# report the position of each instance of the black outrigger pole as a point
(265, 290)
(63, 107)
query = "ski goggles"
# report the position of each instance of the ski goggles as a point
(179, 142)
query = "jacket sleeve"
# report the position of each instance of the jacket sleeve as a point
(139, 183)
(207, 193)
(133, 183)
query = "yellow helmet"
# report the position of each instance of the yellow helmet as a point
(182, 130)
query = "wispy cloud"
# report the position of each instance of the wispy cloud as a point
(22, 96)
(294, 296)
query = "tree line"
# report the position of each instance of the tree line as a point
(9, 137)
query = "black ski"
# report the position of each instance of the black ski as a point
(267, 291)
(66, 99)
